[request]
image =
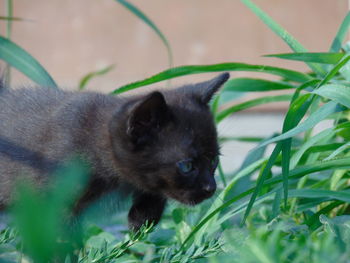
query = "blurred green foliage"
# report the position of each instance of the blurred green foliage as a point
(290, 206)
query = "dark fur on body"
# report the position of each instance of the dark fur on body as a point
(126, 140)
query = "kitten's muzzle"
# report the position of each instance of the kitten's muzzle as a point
(209, 188)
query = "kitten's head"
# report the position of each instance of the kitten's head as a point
(166, 142)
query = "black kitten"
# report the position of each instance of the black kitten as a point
(163, 144)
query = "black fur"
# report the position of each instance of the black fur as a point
(137, 141)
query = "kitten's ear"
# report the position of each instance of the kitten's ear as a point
(147, 116)
(206, 90)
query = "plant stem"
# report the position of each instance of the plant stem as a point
(9, 8)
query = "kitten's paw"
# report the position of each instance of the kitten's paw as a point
(135, 225)
(136, 221)
(146, 208)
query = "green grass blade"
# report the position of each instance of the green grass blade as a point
(85, 80)
(212, 214)
(324, 135)
(337, 151)
(334, 71)
(340, 36)
(252, 161)
(241, 139)
(320, 193)
(248, 167)
(249, 104)
(197, 69)
(249, 84)
(341, 163)
(334, 92)
(319, 115)
(9, 7)
(276, 204)
(326, 147)
(11, 18)
(295, 173)
(137, 12)
(261, 179)
(322, 58)
(296, 112)
(222, 174)
(25, 63)
(282, 33)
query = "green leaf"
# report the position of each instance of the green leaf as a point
(276, 204)
(240, 139)
(249, 84)
(295, 113)
(9, 14)
(25, 63)
(261, 179)
(323, 58)
(334, 71)
(250, 165)
(137, 12)
(324, 135)
(228, 96)
(282, 33)
(323, 147)
(39, 213)
(294, 174)
(341, 163)
(11, 18)
(197, 69)
(310, 122)
(340, 36)
(337, 151)
(84, 81)
(320, 193)
(249, 104)
(334, 92)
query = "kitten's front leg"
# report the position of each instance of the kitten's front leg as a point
(145, 207)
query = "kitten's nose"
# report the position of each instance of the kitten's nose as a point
(210, 188)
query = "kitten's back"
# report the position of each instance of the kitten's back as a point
(41, 126)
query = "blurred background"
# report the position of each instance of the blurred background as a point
(73, 38)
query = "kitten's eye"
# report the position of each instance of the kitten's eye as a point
(185, 166)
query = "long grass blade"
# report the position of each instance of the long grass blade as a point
(321, 193)
(249, 104)
(340, 36)
(324, 135)
(338, 151)
(296, 112)
(249, 84)
(25, 63)
(334, 92)
(299, 172)
(322, 58)
(137, 12)
(85, 80)
(261, 179)
(197, 69)
(12, 18)
(319, 115)
(282, 33)
(9, 7)
(251, 163)
(334, 71)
